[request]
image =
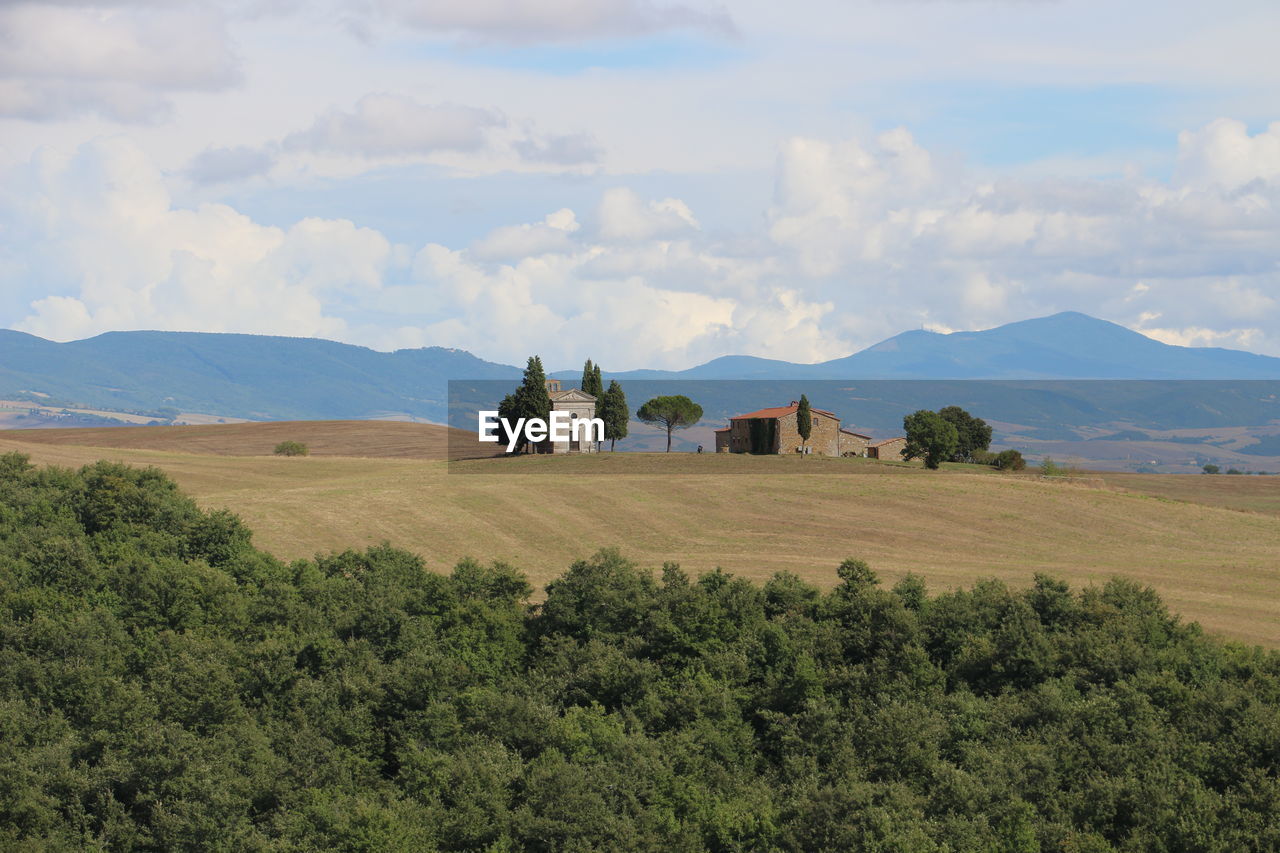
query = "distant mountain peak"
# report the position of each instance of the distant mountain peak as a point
(1065, 345)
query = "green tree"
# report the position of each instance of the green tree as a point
(537, 402)
(597, 388)
(670, 413)
(589, 379)
(804, 419)
(615, 414)
(165, 683)
(530, 400)
(290, 448)
(508, 412)
(929, 437)
(1211, 469)
(593, 383)
(974, 433)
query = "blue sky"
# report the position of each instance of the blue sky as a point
(645, 183)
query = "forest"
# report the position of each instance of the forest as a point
(166, 685)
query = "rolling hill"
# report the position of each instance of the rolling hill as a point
(273, 378)
(243, 376)
(752, 516)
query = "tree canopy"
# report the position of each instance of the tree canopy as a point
(973, 434)
(929, 437)
(670, 413)
(165, 685)
(530, 400)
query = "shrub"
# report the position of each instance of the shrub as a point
(1211, 469)
(1010, 460)
(290, 448)
(983, 457)
(1049, 468)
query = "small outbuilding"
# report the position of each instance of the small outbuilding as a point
(853, 443)
(890, 448)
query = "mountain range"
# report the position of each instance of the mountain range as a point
(274, 378)
(1069, 345)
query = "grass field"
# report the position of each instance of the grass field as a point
(383, 439)
(1208, 544)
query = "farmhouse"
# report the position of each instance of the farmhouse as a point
(578, 404)
(775, 430)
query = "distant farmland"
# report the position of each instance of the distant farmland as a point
(1207, 544)
(378, 439)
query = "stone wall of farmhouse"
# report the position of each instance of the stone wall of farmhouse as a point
(852, 445)
(891, 449)
(739, 436)
(824, 438)
(723, 441)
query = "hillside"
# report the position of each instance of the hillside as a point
(752, 516)
(242, 376)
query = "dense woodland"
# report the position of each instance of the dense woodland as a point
(167, 686)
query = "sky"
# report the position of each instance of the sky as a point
(648, 183)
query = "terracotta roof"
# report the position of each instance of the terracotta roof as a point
(724, 429)
(780, 411)
(858, 434)
(887, 440)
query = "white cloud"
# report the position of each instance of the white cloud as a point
(862, 241)
(570, 149)
(1223, 154)
(1196, 336)
(393, 128)
(121, 63)
(525, 21)
(624, 216)
(867, 221)
(384, 125)
(115, 254)
(216, 165)
(511, 242)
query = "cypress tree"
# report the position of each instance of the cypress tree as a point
(588, 378)
(597, 388)
(804, 419)
(615, 414)
(533, 399)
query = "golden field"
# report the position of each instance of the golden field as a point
(1209, 545)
